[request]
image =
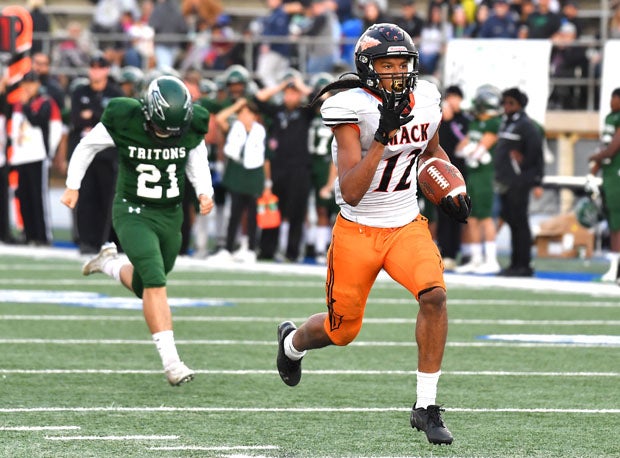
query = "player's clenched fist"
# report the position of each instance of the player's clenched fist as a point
(206, 204)
(70, 197)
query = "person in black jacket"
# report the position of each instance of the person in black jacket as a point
(519, 168)
(290, 164)
(94, 212)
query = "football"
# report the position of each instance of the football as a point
(438, 178)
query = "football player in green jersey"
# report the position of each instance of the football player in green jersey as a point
(607, 160)
(160, 142)
(477, 149)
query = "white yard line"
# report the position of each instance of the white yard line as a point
(170, 409)
(275, 320)
(111, 438)
(309, 372)
(223, 448)
(38, 428)
(274, 343)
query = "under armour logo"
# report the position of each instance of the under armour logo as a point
(134, 210)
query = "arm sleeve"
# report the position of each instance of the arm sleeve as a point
(197, 170)
(84, 153)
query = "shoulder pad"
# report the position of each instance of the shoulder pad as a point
(120, 110)
(200, 119)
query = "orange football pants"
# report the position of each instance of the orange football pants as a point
(356, 256)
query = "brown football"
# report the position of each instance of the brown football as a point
(438, 178)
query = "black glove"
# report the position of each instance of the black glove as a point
(391, 115)
(458, 212)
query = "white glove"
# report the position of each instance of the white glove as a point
(591, 185)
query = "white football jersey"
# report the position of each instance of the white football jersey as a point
(391, 199)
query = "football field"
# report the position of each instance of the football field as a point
(531, 369)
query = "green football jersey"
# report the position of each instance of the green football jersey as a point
(151, 170)
(611, 170)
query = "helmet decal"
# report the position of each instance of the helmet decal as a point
(158, 104)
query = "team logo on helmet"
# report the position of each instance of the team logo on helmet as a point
(158, 104)
(367, 43)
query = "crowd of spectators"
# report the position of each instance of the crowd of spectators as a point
(310, 35)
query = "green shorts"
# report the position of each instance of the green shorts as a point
(151, 239)
(480, 189)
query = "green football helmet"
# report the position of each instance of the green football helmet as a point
(487, 100)
(237, 74)
(587, 212)
(208, 88)
(131, 74)
(167, 107)
(320, 80)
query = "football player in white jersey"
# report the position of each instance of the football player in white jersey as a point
(385, 124)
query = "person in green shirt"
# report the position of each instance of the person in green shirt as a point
(477, 150)
(607, 160)
(160, 142)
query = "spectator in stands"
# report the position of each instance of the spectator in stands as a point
(570, 13)
(290, 164)
(614, 21)
(568, 61)
(524, 8)
(519, 167)
(459, 22)
(321, 26)
(41, 65)
(607, 160)
(542, 23)
(373, 12)
(36, 128)
(94, 212)
(482, 14)
(141, 35)
(452, 131)
(274, 52)
(218, 53)
(344, 10)
(409, 20)
(74, 51)
(435, 34)
(107, 21)
(207, 11)
(40, 24)
(501, 24)
(170, 32)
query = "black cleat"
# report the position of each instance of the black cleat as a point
(290, 370)
(429, 420)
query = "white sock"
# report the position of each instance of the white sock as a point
(112, 267)
(426, 389)
(322, 239)
(283, 240)
(243, 243)
(164, 341)
(290, 350)
(201, 232)
(476, 253)
(466, 249)
(490, 251)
